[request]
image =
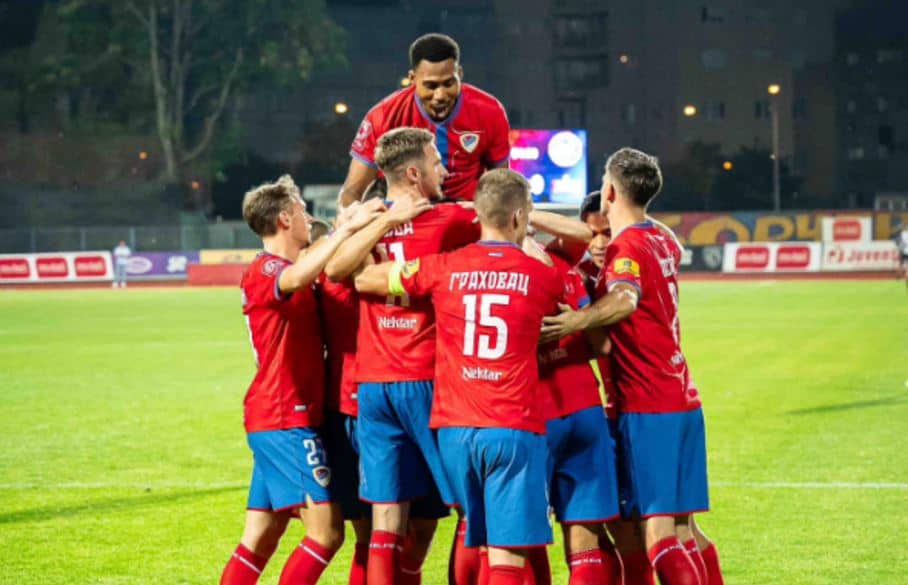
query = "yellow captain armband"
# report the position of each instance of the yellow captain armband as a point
(398, 271)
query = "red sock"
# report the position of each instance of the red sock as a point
(539, 569)
(611, 561)
(694, 553)
(358, 566)
(384, 549)
(306, 564)
(483, 576)
(410, 569)
(463, 566)
(672, 563)
(637, 570)
(243, 568)
(587, 568)
(711, 561)
(506, 575)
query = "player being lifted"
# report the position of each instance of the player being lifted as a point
(489, 300)
(661, 434)
(283, 406)
(470, 126)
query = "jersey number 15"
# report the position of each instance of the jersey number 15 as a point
(487, 349)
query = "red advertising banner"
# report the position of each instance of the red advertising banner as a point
(773, 257)
(55, 267)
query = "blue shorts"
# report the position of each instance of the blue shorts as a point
(498, 476)
(662, 464)
(399, 459)
(582, 473)
(338, 431)
(290, 469)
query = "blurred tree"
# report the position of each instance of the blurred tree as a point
(193, 56)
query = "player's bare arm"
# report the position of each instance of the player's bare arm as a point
(561, 226)
(352, 253)
(617, 305)
(534, 249)
(374, 279)
(309, 265)
(359, 175)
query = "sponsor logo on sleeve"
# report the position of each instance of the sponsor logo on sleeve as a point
(271, 267)
(410, 268)
(365, 129)
(626, 266)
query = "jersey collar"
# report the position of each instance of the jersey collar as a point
(497, 244)
(447, 121)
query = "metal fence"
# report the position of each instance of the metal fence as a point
(141, 238)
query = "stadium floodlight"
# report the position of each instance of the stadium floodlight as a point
(624, 58)
(727, 165)
(143, 155)
(774, 89)
(340, 108)
(690, 110)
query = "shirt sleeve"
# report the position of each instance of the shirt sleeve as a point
(622, 265)
(416, 278)
(262, 285)
(363, 147)
(499, 152)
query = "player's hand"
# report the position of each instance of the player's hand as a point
(362, 214)
(561, 325)
(406, 209)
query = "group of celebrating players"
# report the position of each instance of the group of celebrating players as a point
(472, 381)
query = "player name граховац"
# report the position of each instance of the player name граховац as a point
(490, 280)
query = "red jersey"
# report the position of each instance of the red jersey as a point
(472, 139)
(396, 336)
(288, 388)
(340, 313)
(648, 367)
(489, 301)
(565, 373)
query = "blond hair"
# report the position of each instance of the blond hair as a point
(263, 204)
(499, 194)
(399, 147)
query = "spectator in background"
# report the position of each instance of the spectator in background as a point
(121, 256)
(901, 240)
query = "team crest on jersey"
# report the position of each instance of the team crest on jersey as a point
(410, 268)
(322, 475)
(626, 266)
(270, 267)
(469, 141)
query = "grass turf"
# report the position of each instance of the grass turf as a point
(124, 459)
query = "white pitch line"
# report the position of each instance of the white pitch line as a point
(812, 485)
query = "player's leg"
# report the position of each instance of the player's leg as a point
(657, 486)
(684, 531)
(514, 500)
(455, 447)
(261, 535)
(631, 548)
(464, 562)
(708, 553)
(362, 528)
(584, 493)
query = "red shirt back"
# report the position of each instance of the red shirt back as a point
(340, 314)
(648, 367)
(288, 388)
(396, 336)
(565, 373)
(474, 137)
(489, 301)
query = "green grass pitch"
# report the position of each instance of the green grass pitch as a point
(123, 458)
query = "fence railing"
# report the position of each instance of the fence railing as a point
(146, 238)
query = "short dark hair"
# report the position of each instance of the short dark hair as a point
(377, 189)
(434, 48)
(592, 203)
(263, 204)
(318, 229)
(499, 193)
(637, 173)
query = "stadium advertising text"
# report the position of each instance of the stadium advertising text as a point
(55, 267)
(705, 229)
